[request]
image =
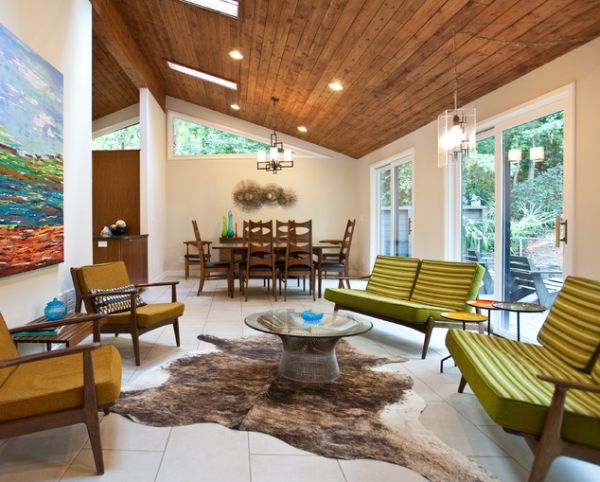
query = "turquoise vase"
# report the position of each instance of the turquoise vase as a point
(55, 310)
(224, 228)
(230, 232)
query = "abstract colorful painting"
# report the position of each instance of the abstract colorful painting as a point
(31, 160)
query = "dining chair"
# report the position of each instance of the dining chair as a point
(298, 258)
(260, 257)
(338, 262)
(207, 268)
(192, 259)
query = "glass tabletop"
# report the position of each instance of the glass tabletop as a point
(291, 323)
(519, 307)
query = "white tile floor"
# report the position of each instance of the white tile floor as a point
(210, 452)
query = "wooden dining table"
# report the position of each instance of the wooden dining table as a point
(241, 249)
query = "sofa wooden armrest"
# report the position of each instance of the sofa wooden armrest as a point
(48, 355)
(562, 384)
(550, 444)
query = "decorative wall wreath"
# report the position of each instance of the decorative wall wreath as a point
(249, 195)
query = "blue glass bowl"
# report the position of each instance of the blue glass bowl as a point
(55, 310)
(311, 317)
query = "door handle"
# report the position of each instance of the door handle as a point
(409, 226)
(557, 231)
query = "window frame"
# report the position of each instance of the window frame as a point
(402, 157)
(171, 156)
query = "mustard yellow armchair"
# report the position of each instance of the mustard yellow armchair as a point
(99, 287)
(57, 388)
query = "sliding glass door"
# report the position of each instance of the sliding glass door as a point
(394, 208)
(516, 196)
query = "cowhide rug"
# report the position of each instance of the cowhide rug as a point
(366, 414)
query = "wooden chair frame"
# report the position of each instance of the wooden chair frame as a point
(261, 243)
(298, 248)
(342, 257)
(132, 327)
(549, 444)
(205, 270)
(86, 414)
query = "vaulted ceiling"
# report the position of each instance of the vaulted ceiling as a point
(393, 57)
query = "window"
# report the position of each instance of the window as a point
(393, 206)
(227, 7)
(127, 138)
(191, 138)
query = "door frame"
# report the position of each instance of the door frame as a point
(562, 99)
(403, 157)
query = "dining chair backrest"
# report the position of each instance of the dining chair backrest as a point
(347, 240)
(245, 230)
(198, 242)
(298, 253)
(281, 230)
(260, 245)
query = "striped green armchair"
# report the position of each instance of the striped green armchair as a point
(413, 293)
(549, 393)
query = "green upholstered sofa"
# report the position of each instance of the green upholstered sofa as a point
(550, 393)
(412, 292)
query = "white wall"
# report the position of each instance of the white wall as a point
(153, 189)
(60, 31)
(581, 66)
(201, 189)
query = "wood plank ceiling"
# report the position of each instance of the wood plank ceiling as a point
(393, 57)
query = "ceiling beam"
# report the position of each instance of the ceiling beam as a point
(119, 41)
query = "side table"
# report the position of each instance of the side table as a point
(69, 335)
(464, 317)
(519, 307)
(484, 305)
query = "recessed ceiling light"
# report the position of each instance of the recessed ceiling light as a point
(203, 75)
(335, 85)
(236, 55)
(227, 7)
(235, 106)
(302, 129)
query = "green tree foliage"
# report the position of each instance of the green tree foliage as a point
(127, 138)
(403, 186)
(191, 138)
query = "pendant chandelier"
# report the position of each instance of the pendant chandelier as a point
(279, 157)
(456, 128)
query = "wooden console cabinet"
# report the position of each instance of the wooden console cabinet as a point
(133, 250)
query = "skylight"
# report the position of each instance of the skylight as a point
(202, 75)
(227, 7)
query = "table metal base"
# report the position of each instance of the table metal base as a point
(309, 360)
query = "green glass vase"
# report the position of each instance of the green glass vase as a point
(224, 228)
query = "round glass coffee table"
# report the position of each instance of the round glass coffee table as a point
(308, 346)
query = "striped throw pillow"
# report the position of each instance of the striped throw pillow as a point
(113, 302)
(446, 284)
(572, 329)
(393, 276)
